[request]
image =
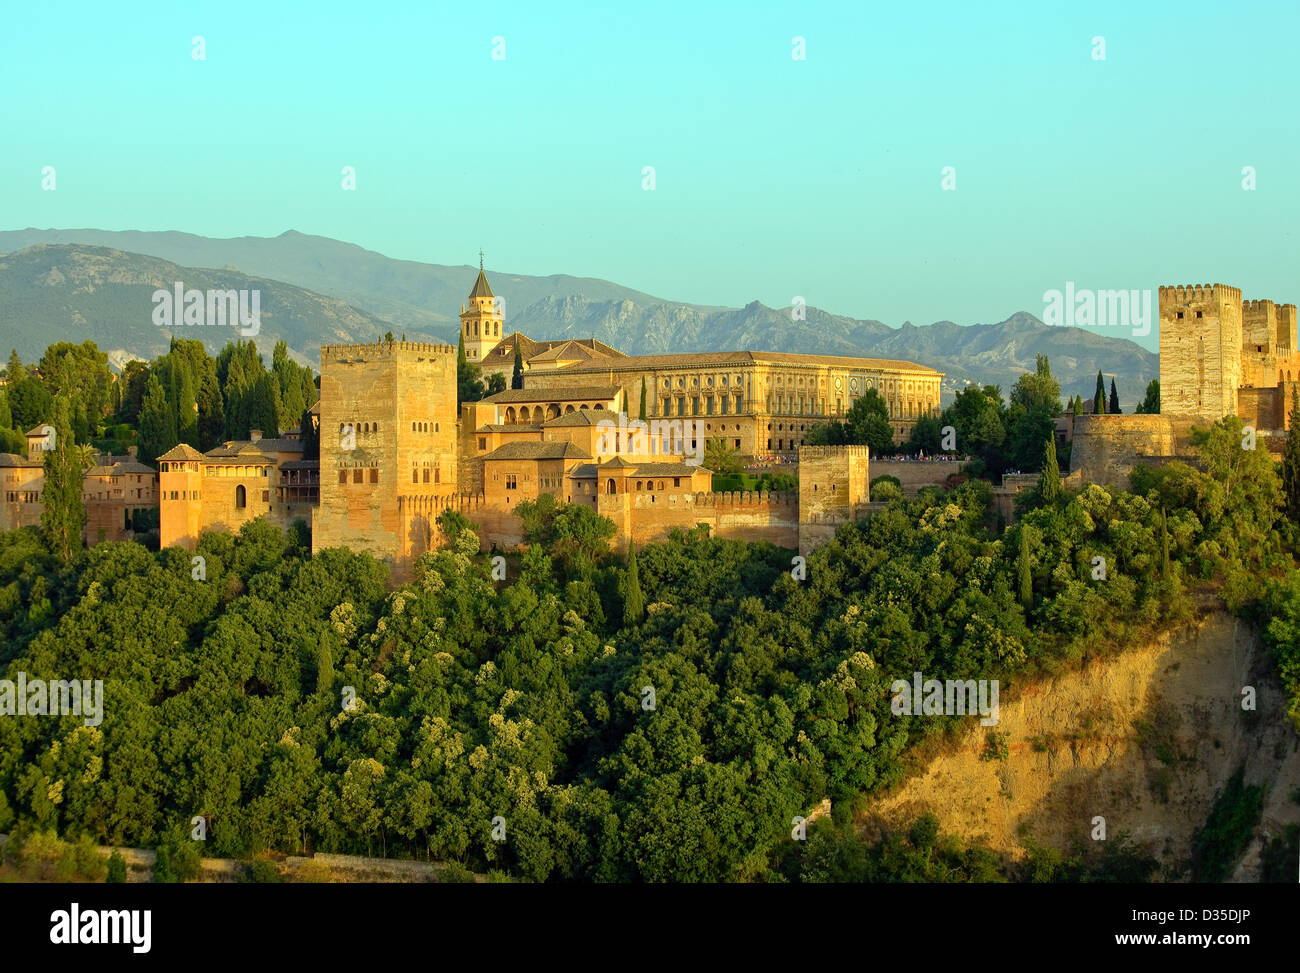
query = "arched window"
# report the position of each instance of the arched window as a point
(241, 497)
(612, 488)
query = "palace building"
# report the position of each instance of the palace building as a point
(396, 450)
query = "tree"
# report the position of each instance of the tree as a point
(1049, 482)
(1099, 397)
(116, 869)
(721, 459)
(633, 600)
(1038, 389)
(1112, 407)
(867, 423)
(926, 436)
(643, 393)
(1291, 461)
(517, 377)
(63, 516)
(496, 383)
(1026, 577)
(1151, 404)
(15, 373)
(30, 403)
(1078, 405)
(157, 423)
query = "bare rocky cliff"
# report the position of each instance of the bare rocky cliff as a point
(1146, 739)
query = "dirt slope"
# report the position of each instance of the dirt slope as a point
(1146, 739)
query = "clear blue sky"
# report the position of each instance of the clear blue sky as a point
(774, 177)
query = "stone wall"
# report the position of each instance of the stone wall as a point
(914, 476)
(1106, 448)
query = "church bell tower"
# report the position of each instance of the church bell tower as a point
(480, 321)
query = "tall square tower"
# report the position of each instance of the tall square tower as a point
(387, 446)
(1200, 350)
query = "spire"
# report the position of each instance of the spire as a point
(481, 288)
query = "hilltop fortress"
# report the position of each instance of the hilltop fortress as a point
(396, 451)
(1219, 356)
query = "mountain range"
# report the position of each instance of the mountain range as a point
(97, 284)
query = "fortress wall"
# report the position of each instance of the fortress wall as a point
(1261, 408)
(913, 476)
(1106, 448)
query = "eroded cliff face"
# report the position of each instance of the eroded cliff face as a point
(1146, 739)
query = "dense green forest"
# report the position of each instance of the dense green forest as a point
(184, 396)
(656, 714)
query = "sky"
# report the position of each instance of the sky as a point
(526, 129)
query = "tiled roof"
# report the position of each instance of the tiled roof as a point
(669, 469)
(38, 430)
(516, 427)
(702, 359)
(481, 286)
(13, 459)
(583, 417)
(301, 464)
(120, 468)
(240, 447)
(564, 450)
(181, 451)
(527, 395)
(504, 351)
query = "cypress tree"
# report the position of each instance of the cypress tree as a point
(633, 600)
(157, 423)
(1099, 399)
(64, 515)
(1112, 407)
(187, 411)
(6, 417)
(1291, 461)
(517, 379)
(642, 415)
(1049, 481)
(1026, 579)
(15, 373)
(1078, 405)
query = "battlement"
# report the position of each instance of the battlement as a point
(827, 452)
(1257, 307)
(725, 500)
(383, 350)
(1199, 293)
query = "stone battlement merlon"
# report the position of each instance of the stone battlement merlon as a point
(1199, 293)
(822, 452)
(385, 349)
(1264, 305)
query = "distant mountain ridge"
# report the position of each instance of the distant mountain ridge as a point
(317, 290)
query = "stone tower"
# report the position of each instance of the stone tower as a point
(833, 480)
(480, 321)
(1200, 350)
(387, 447)
(180, 510)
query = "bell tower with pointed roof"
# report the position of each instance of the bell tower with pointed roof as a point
(480, 318)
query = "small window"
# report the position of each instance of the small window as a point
(241, 497)
(415, 476)
(374, 474)
(426, 474)
(1200, 314)
(356, 475)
